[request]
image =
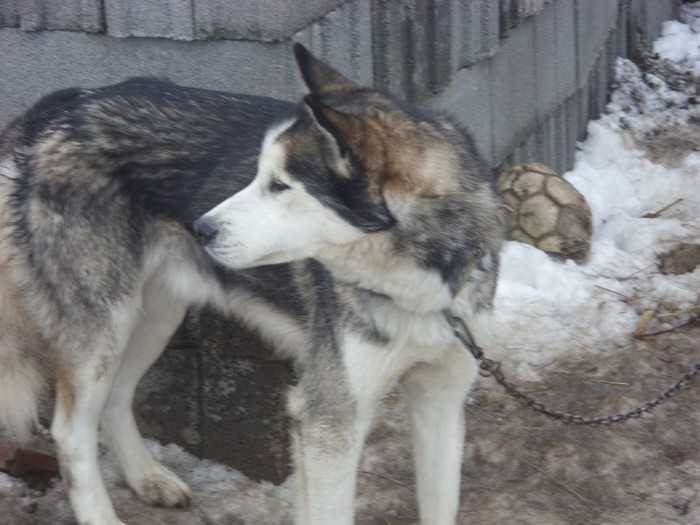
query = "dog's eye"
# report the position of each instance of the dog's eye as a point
(277, 186)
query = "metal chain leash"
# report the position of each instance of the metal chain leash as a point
(489, 367)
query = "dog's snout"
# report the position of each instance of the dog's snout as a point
(205, 229)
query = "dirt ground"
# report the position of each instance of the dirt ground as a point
(520, 468)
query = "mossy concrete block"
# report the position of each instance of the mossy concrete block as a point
(168, 403)
(219, 392)
(243, 400)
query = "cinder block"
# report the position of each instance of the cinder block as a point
(641, 23)
(243, 399)
(513, 91)
(554, 141)
(468, 99)
(344, 39)
(264, 20)
(44, 61)
(515, 12)
(555, 56)
(653, 14)
(625, 36)
(549, 144)
(547, 64)
(565, 43)
(439, 68)
(9, 13)
(572, 130)
(527, 8)
(167, 404)
(474, 31)
(595, 20)
(565, 141)
(404, 48)
(508, 16)
(418, 46)
(219, 392)
(583, 108)
(39, 15)
(544, 141)
(524, 152)
(155, 18)
(391, 67)
(598, 88)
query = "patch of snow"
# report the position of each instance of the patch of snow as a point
(545, 308)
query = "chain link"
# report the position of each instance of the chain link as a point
(489, 367)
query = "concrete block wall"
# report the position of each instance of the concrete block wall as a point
(523, 76)
(503, 67)
(550, 75)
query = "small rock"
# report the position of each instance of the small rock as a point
(683, 259)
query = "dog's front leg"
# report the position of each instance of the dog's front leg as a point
(327, 436)
(435, 395)
(332, 410)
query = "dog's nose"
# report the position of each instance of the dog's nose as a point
(205, 229)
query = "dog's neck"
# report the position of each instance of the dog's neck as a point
(366, 264)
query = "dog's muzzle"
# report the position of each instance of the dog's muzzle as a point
(206, 230)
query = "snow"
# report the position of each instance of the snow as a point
(679, 41)
(643, 155)
(552, 308)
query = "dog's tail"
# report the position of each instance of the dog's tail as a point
(21, 375)
(21, 364)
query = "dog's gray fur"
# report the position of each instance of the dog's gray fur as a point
(115, 218)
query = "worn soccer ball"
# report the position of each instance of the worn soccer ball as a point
(546, 211)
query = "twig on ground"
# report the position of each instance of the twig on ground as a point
(613, 291)
(657, 214)
(605, 382)
(649, 315)
(561, 484)
(387, 478)
(678, 313)
(644, 320)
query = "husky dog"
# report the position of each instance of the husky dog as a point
(341, 229)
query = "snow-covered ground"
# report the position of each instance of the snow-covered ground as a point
(639, 158)
(643, 155)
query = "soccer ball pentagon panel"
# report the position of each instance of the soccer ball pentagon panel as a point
(546, 211)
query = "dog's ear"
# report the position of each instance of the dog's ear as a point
(320, 78)
(361, 149)
(346, 130)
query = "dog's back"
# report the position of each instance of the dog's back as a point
(110, 163)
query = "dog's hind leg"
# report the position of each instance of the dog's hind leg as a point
(154, 483)
(435, 394)
(83, 382)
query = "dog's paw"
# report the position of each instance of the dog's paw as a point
(162, 488)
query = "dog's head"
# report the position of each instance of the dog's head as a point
(349, 165)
